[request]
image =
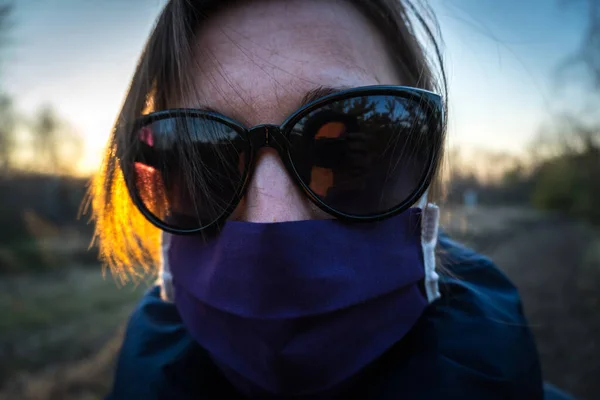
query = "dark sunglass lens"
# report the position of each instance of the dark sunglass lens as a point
(366, 155)
(188, 170)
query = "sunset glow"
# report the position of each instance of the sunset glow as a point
(501, 64)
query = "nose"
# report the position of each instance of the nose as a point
(272, 195)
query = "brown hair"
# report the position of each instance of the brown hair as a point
(127, 242)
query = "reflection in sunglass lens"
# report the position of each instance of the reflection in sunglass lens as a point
(365, 155)
(188, 170)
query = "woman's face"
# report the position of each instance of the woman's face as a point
(256, 62)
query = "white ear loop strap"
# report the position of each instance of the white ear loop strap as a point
(430, 218)
(423, 201)
(429, 234)
(165, 278)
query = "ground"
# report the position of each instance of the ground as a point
(60, 335)
(555, 263)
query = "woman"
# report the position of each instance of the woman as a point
(297, 251)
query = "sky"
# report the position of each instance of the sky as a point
(501, 56)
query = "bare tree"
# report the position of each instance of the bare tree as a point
(7, 143)
(57, 147)
(589, 51)
(588, 133)
(44, 138)
(577, 130)
(5, 12)
(569, 145)
(590, 55)
(6, 112)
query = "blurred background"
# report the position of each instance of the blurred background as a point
(523, 175)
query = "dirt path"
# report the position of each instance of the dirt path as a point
(559, 279)
(555, 263)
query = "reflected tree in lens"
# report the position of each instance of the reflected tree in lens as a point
(363, 155)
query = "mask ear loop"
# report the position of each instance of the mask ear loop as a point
(429, 234)
(165, 278)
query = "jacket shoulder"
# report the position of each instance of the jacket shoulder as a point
(153, 338)
(480, 325)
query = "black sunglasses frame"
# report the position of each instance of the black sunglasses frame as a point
(276, 137)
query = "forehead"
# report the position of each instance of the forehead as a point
(256, 61)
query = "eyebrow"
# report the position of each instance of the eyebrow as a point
(321, 91)
(309, 97)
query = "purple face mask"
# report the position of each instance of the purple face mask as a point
(298, 307)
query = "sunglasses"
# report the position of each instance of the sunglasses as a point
(362, 154)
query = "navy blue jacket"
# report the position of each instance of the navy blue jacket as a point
(473, 343)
